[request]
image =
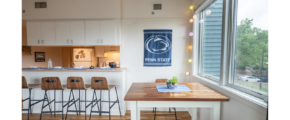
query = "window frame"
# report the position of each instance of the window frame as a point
(227, 67)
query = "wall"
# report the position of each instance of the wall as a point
(71, 9)
(50, 52)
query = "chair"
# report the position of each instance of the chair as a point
(53, 83)
(163, 81)
(101, 83)
(30, 87)
(77, 83)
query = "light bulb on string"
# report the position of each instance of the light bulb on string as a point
(208, 12)
(201, 21)
(189, 60)
(190, 47)
(191, 7)
(190, 20)
(187, 73)
(191, 34)
(194, 16)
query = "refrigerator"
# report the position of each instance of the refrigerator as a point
(82, 57)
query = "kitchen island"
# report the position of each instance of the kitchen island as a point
(115, 76)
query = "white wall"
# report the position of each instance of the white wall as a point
(71, 9)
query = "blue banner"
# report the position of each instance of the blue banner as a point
(157, 48)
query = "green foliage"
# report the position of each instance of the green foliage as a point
(251, 43)
(169, 81)
(175, 79)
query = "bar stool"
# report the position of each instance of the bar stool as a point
(30, 87)
(53, 83)
(163, 81)
(101, 83)
(77, 83)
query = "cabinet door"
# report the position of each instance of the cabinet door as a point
(77, 30)
(62, 33)
(108, 32)
(48, 33)
(33, 33)
(92, 32)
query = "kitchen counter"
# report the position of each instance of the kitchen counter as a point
(114, 76)
(76, 69)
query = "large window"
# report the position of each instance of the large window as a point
(233, 44)
(251, 46)
(211, 38)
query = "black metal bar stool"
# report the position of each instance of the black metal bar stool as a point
(30, 87)
(154, 109)
(100, 83)
(53, 83)
(77, 83)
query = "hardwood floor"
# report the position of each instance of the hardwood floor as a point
(145, 115)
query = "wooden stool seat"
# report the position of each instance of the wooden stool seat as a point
(33, 85)
(52, 83)
(64, 86)
(112, 87)
(88, 86)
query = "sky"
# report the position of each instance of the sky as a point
(256, 10)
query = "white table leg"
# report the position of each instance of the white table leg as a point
(215, 111)
(193, 113)
(138, 113)
(133, 110)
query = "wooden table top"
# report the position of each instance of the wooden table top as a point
(148, 92)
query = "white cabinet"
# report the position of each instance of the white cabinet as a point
(40, 33)
(108, 32)
(92, 32)
(70, 33)
(101, 32)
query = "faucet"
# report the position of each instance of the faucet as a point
(70, 63)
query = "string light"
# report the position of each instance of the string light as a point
(194, 16)
(208, 12)
(191, 7)
(187, 73)
(190, 47)
(191, 34)
(189, 60)
(201, 21)
(190, 20)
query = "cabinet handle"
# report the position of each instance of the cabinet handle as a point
(67, 41)
(38, 42)
(101, 40)
(42, 41)
(71, 41)
(98, 41)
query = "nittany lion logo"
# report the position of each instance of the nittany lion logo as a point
(157, 44)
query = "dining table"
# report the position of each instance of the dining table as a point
(146, 95)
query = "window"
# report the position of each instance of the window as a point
(211, 38)
(251, 46)
(233, 38)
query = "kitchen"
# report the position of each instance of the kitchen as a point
(109, 38)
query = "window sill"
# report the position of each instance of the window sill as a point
(235, 93)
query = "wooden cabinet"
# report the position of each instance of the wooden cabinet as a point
(101, 32)
(70, 33)
(40, 33)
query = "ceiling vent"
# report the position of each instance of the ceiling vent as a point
(40, 5)
(156, 6)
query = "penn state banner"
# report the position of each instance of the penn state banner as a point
(157, 48)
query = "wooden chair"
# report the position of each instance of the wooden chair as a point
(77, 83)
(30, 87)
(101, 83)
(163, 81)
(53, 83)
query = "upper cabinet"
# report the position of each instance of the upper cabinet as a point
(69, 32)
(40, 33)
(101, 32)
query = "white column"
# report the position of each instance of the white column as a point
(215, 111)
(193, 113)
(133, 110)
